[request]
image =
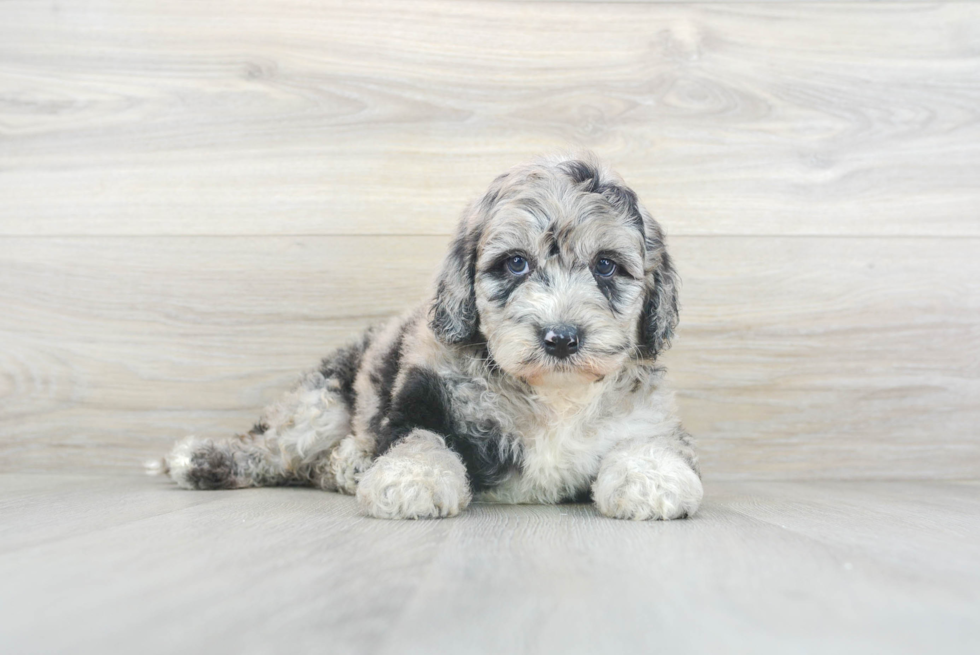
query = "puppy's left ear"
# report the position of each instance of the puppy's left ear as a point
(454, 317)
(660, 313)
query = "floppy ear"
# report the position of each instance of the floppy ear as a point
(659, 317)
(660, 307)
(454, 318)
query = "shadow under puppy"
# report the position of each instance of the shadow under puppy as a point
(528, 377)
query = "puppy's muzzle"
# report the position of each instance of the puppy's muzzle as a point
(561, 341)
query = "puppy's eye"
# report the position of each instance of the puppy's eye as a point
(605, 267)
(518, 265)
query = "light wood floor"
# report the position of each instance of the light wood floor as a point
(132, 564)
(200, 199)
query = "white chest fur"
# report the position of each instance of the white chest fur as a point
(565, 433)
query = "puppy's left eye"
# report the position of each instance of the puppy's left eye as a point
(517, 265)
(605, 267)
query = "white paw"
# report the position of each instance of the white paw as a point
(347, 463)
(647, 482)
(418, 478)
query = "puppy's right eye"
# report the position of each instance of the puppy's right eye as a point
(605, 267)
(517, 265)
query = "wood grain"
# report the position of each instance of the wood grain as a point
(725, 581)
(271, 565)
(874, 518)
(329, 117)
(106, 503)
(800, 358)
(763, 568)
(201, 199)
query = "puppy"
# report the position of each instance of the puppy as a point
(528, 377)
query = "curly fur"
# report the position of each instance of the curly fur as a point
(462, 398)
(418, 478)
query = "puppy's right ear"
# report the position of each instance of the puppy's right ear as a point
(454, 318)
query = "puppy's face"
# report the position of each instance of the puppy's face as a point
(562, 273)
(559, 282)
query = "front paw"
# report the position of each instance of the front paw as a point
(418, 478)
(647, 482)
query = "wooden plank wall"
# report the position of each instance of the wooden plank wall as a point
(197, 200)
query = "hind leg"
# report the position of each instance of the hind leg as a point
(291, 445)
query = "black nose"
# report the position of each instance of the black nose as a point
(561, 340)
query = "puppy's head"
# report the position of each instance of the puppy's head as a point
(561, 271)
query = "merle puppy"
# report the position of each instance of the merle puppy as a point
(529, 376)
